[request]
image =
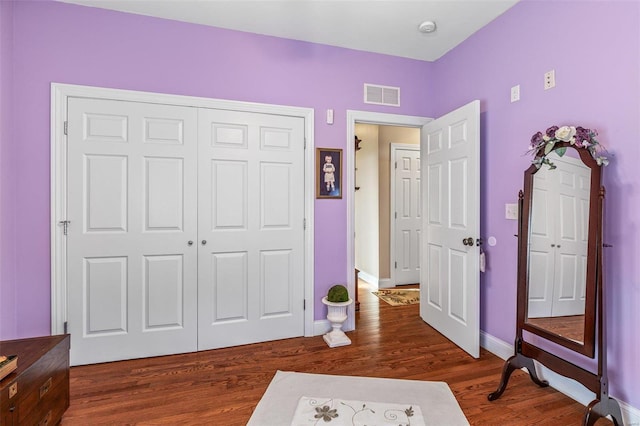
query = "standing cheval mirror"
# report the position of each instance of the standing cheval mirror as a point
(560, 293)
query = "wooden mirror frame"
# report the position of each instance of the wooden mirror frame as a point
(526, 353)
(587, 347)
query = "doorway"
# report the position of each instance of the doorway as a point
(450, 163)
(387, 204)
(371, 118)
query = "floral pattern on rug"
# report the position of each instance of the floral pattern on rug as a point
(339, 412)
(399, 296)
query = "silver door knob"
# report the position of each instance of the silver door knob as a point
(204, 242)
(467, 241)
(189, 243)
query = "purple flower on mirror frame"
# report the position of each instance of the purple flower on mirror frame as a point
(536, 140)
(551, 131)
(584, 135)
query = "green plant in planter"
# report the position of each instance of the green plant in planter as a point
(338, 293)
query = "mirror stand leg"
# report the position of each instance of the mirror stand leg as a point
(602, 408)
(507, 369)
(531, 368)
(517, 361)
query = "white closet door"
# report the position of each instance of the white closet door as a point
(132, 210)
(250, 228)
(542, 250)
(558, 250)
(573, 185)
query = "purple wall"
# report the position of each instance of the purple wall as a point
(57, 42)
(7, 182)
(594, 48)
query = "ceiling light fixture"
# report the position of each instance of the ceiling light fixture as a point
(427, 27)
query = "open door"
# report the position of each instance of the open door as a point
(450, 165)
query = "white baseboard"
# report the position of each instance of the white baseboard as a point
(385, 283)
(375, 282)
(496, 346)
(372, 280)
(321, 327)
(569, 387)
(630, 414)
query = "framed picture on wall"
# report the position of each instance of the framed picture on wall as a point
(328, 173)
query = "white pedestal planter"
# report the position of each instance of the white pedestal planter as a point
(337, 314)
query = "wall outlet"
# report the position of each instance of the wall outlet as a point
(515, 93)
(549, 79)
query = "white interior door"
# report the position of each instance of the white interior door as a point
(250, 228)
(407, 220)
(450, 300)
(132, 210)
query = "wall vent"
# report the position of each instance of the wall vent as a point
(381, 95)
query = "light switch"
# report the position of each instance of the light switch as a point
(511, 211)
(329, 116)
(515, 93)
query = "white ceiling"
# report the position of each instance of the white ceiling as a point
(380, 26)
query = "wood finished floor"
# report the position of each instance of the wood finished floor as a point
(222, 387)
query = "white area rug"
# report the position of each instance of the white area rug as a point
(434, 401)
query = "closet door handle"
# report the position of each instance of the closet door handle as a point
(189, 243)
(204, 242)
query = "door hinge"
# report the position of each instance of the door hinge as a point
(65, 327)
(66, 127)
(396, 265)
(396, 165)
(304, 304)
(65, 226)
(304, 223)
(305, 143)
(396, 215)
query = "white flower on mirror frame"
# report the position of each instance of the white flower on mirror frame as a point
(566, 133)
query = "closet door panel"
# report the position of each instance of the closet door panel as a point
(251, 210)
(132, 207)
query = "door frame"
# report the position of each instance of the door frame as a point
(395, 147)
(365, 117)
(58, 173)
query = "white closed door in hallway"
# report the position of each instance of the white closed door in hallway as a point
(251, 232)
(407, 216)
(131, 274)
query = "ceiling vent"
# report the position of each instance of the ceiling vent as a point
(381, 95)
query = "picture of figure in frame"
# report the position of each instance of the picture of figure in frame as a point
(328, 173)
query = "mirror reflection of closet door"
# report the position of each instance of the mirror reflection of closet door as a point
(559, 237)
